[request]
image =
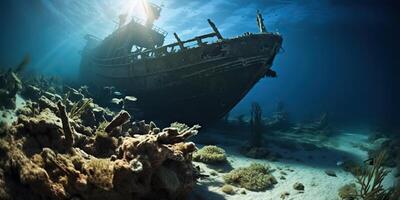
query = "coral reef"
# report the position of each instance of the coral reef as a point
(210, 154)
(256, 177)
(68, 150)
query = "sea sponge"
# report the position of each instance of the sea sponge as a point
(348, 192)
(256, 177)
(210, 154)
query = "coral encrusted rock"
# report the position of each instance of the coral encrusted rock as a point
(256, 177)
(210, 154)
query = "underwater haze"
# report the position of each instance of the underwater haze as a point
(338, 56)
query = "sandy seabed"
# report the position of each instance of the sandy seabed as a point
(304, 166)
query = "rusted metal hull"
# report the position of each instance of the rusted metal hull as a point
(199, 84)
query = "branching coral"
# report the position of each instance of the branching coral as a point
(371, 181)
(256, 177)
(210, 154)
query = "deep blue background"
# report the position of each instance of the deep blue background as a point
(341, 56)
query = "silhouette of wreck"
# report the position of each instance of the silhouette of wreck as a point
(199, 79)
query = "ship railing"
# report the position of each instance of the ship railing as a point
(155, 53)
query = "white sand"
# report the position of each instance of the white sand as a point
(307, 167)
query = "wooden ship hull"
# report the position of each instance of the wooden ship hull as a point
(198, 84)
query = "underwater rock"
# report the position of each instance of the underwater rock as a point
(228, 189)
(45, 103)
(348, 192)
(298, 186)
(210, 154)
(119, 120)
(256, 177)
(330, 173)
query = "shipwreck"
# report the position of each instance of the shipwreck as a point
(199, 79)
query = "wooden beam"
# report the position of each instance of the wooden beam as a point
(179, 41)
(215, 29)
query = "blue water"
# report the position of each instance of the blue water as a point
(339, 56)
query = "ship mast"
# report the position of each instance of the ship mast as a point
(260, 22)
